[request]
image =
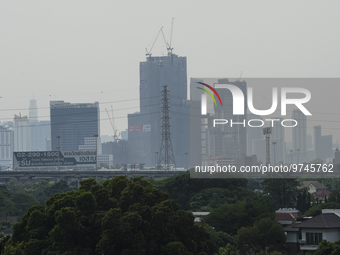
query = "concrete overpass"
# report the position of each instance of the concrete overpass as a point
(5, 176)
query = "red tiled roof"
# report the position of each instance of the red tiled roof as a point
(287, 216)
(322, 193)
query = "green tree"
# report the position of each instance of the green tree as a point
(14, 203)
(284, 191)
(22, 202)
(265, 234)
(182, 188)
(121, 216)
(227, 250)
(219, 238)
(317, 209)
(329, 248)
(231, 217)
(214, 197)
(303, 200)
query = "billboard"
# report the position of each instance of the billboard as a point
(139, 128)
(46, 160)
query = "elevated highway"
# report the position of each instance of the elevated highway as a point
(5, 176)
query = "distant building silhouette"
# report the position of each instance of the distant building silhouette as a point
(21, 127)
(226, 140)
(6, 146)
(299, 136)
(40, 131)
(322, 144)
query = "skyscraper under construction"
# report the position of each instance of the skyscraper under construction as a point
(145, 126)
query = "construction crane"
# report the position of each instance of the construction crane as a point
(169, 48)
(167, 45)
(239, 79)
(115, 130)
(148, 52)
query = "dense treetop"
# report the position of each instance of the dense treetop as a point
(120, 216)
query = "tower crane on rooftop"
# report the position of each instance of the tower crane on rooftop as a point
(116, 135)
(168, 45)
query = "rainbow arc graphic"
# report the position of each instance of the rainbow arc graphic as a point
(209, 93)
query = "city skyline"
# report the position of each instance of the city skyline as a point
(81, 51)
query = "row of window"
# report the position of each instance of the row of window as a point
(313, 238)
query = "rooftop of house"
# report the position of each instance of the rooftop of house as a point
(330, 218)
(287, 214)
(292, 228)
(316, 184)
(322, 193)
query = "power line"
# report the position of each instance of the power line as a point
(83, 121)
(109, 102)
(70, 114)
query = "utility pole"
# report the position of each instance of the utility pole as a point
(166, 154)
(156, 160)
(291, 156)
(186, 160)
(58, 148)
(274, 143)
(266, 132)
(96, 136)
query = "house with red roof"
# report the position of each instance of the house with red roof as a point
(286, 216)
(322, 194)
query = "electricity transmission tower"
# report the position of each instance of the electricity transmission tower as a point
(166, 154)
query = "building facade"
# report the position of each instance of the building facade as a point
(6, 146)
(322, 144)
(40, 131)
(72, 123)
(22, 133)
(299, 137)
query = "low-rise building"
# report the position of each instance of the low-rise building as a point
(286, 216)
(313, 186)
(305, 236)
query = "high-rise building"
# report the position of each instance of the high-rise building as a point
(229, 140)
(73, 123)
(6, 146)
(322, 144)
(278, 144)
(33, 111)
(253, 133)
(144, 129)
(299, 136)
(22, 134)
(40, 131)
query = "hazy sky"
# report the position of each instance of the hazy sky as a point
(86, 51)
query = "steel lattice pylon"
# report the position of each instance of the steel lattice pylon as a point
(166, 154)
